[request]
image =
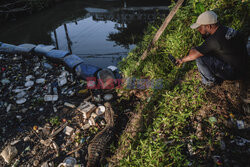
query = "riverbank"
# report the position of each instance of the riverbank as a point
(184, 124)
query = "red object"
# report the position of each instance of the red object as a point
(3, 69)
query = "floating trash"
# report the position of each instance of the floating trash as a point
(21, 101)
(50, 97)
(107, 97)
(40, 81)
(5, 81)
(240, 124)
(29, 84)
(100, 110)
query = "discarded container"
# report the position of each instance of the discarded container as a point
(72, 61)
(86, 108)
(43, 49)
(69, 105)
(5, 81)
(240, 124)
(50, 97)
(47, 66)
(85, 70)
(69, 161)
(68, 130)
(29, 83)
(86, 126)
(40, 81)
(21, 101)
(107, 97)
(62, 81)
(29, 77)
(100, 110)
(106, 79)
(57, 55)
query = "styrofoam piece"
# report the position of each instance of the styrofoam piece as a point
(86, 108)
(57, 54)
(43, 49)
(72, 61)
(112, 68)
(85, 70)
(68, 130)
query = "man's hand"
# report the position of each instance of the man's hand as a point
(179, 62)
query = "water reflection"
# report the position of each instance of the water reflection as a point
(101, 33)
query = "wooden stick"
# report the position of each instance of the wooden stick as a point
(161, 30)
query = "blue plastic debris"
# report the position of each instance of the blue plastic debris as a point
(72, 61)
(7, 48)
(57, 54)
(43, 49)
(26, 48)
(1, 43)
(85, 70)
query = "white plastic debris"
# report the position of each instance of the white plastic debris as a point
(69, 105)
(21, 101)
(20, 94)
(29, 83)
(62, 81)
(9, 153)
(86, 126)
(40, 81)
(50, 97)
(69, 161)
(68, 130)
(91, 121)
(29, 77)
(240, 141)
(8, 108)
(108, 97)
(112, 68)
(100, 110)
(240, 124)
(5, 81)
(86, 108)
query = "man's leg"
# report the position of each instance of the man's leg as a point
(204, 67)
(214, 70)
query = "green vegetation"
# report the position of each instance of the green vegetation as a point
(167, 130)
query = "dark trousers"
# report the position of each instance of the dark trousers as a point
(214, 70)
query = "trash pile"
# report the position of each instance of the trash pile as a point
(48, 116)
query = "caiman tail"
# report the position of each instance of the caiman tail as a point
(98, 145)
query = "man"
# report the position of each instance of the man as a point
(222, 56)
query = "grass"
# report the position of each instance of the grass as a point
(168, 137)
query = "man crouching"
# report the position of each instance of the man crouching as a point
(222, 56)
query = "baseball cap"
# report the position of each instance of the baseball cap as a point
(208, 17)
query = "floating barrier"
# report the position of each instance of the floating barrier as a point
(71, 61)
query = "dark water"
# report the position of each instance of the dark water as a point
(100, 32)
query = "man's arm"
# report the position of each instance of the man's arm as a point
(193, 54)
